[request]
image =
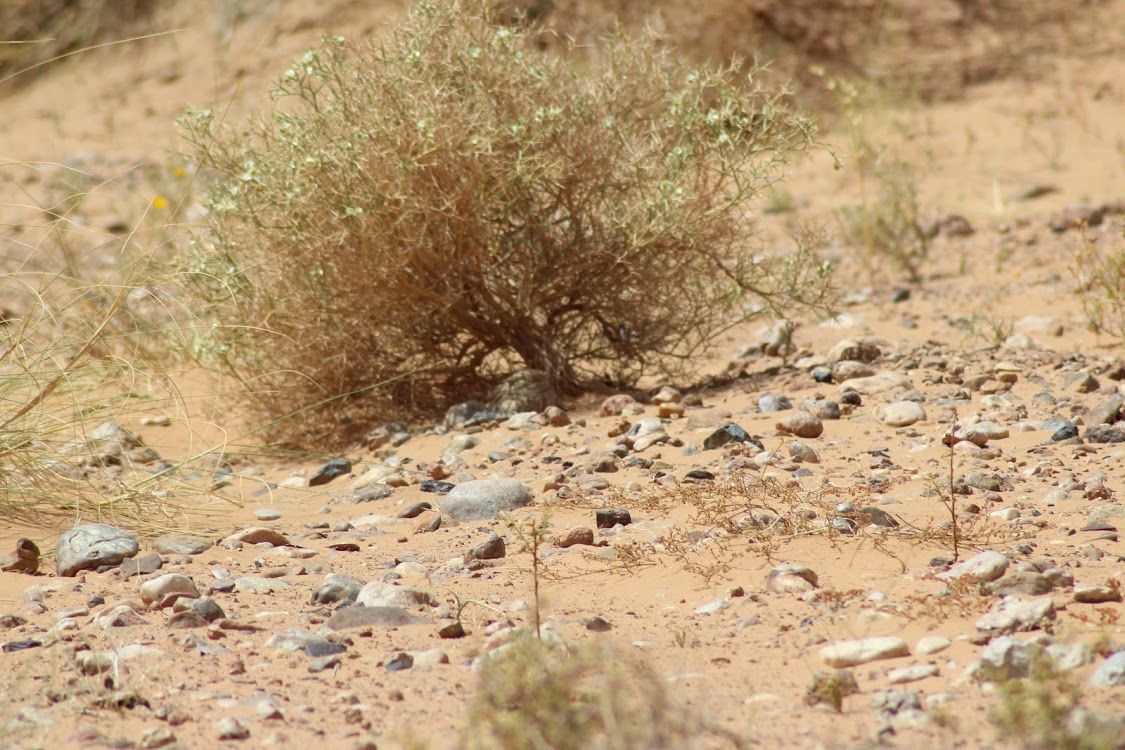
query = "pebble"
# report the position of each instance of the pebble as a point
(181, 544)
(230, 728)
(258, 535)
(791, 578)
(491, 548)
(864, 650)
(771, 402)
(1098, 593)
(931, 644)
(158, 589)
(484, 499)
(334, 469)
(912, 674)
(802, 453)
(336, 588)
(607, 518)
(574, 537)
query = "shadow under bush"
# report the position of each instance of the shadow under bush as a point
(424, 213)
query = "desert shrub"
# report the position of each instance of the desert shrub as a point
(886, 227)
(430, 210)
(1099, 274)
(535, 694)
(38, 31)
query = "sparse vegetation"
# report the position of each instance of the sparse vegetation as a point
(428, 211)
(1099, 274)
(1044, 712)
(535, 694)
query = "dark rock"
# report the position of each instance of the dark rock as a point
(334, 469)
(370, 493)
(851, 398)
(872, 515)
(416, 509)
(435, 486)
(729, 433)
(491, 548)
(597, 624)
(607, 518)
(699, 475)
(187, 619)
(141, 566)
(400, 662)
(318, 649)
(452, 630)
(1066, 432)
(21, 645)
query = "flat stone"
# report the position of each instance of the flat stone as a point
(985, 567)
(371, 617)
(91, 546)
(181, 544)
(875, 384)
(337, 588)
(259, 584)
(900, 414)
(912, 674)
(1013, 615)
(1021, 582)
(1098, 593)
(484, 499)
(141, 566)
(259, 535)
(864, 650)
(931, 644)
(574, 537)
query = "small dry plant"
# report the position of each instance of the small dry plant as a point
(1044, 712)
(534, 695)
(1099, 274)
(434, 209)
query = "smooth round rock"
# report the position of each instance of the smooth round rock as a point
(484, 499)
(91, 546)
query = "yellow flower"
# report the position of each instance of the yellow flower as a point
(160, 203)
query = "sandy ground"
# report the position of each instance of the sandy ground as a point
(745, 666)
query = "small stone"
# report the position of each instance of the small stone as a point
(791, 578)
(901, 414)
(864, 650)
(607, 518)
(452, 630)
(771, 402)
(575, 537)
(932, 644)
(853, 349)
(267, 514)
(802, 424)
(91, 546)
(1067, 431)
(181, 544)
(25, 558)
(802, 453)
(416, 509)
(491, 548)
(230, 728)
(523, 390)
(1104, 433)
(259, 535)
(984, 567)
(869, 514)
(400, 662)
(1098, 593)
(597, 624)
(337, 588)
(1111, 672)
(383, 594)
(729, 433)
(158, 589)
(187, 620)
(1006, 658)
(334, 469)
(912, 674)
(1012, 615)
(621, 404)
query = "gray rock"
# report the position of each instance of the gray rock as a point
(259, 585)
(1021, 582)
(371, 617)
(1006, 658)
(458, 415)
(110, 444)
(1111, 672)
(230, 728)
(181, 544)
(524, 390)
(932, 644)
(334, 469)
(985, 567)
(1013, 615)
(484, 499)
(383, 594)
(871, 515)
(771, 402)
(294, 639)
(1068, 656)
(336, 588)
(864, 650)
(1107, 412)
(859, 350)
(729, 433)
(912, 674)
(92, 545)
(802, 453)
(901, 414)
(1104, 433)
(208, 609)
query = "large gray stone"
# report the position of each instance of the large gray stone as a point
(524, 390)
(484, 499)
(93, 545)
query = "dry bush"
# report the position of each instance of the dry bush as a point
(36, 32)
(423, 213)
(932, 49)
(534, 694)
(1099, 274)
